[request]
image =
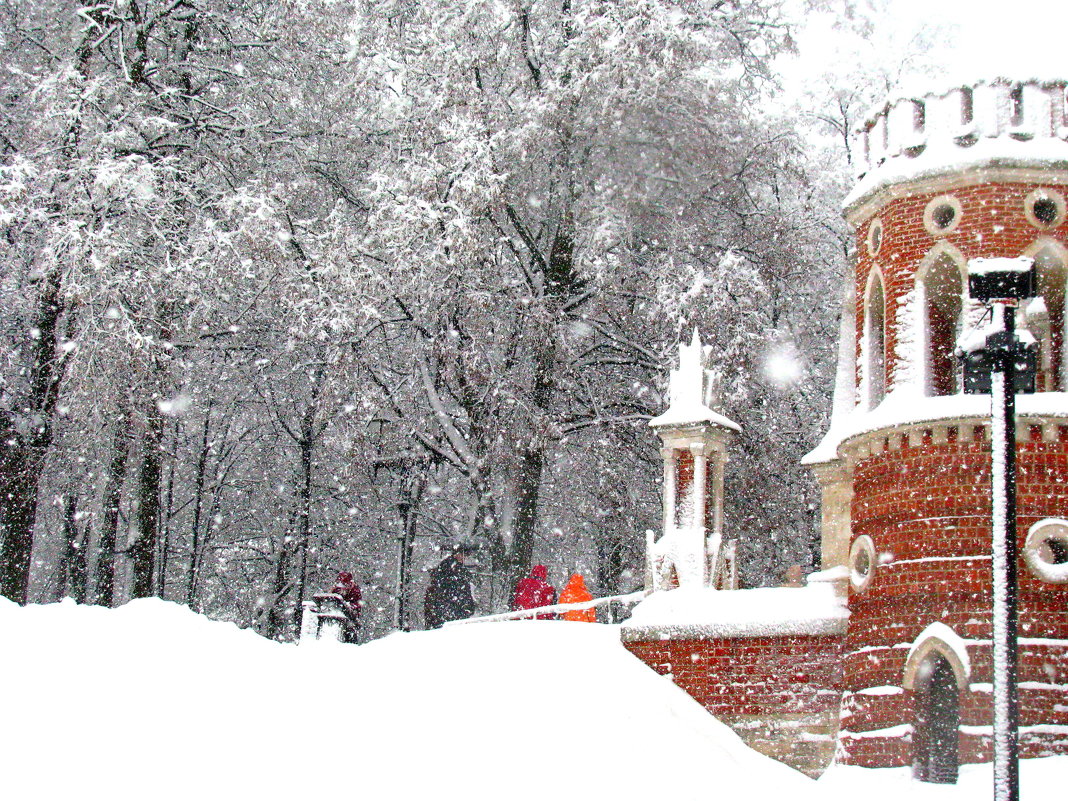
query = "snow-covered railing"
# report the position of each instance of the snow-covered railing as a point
(554, 609)
(324, 618)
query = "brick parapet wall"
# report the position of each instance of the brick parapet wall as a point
(932, 501)
(1043, 712)
(780, 694)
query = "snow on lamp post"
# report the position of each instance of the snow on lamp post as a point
(998, 361)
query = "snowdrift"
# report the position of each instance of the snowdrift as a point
(152, 700)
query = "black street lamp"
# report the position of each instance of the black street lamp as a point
(1002, 364)
(404, 577)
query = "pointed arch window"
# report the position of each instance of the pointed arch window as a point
(1045, 317)
(941, 288)
(874, 346)
(937, 671)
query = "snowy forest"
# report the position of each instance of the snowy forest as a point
(297, 286)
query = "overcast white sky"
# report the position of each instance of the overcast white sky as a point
(1007, 36)
(975, 38)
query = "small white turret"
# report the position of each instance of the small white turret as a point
(691, 550)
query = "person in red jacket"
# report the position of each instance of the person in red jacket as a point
(352, 602)
(534, 591)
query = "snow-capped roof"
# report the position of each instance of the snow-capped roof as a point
(680, 415)
(690, 391)
(690, 612)
(996, 123)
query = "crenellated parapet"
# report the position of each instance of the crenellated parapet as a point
(1001, 122)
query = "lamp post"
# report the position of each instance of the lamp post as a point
(1001, 364)
(404, 574)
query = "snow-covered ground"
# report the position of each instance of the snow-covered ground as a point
(153, 701)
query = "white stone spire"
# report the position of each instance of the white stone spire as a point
(690, 390)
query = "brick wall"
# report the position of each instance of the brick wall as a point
(992, 224)
(779, 693)
(927, 509)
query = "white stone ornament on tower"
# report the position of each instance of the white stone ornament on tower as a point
(691, 551)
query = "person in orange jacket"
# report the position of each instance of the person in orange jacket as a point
(575, 593)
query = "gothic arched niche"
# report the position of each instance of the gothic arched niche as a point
(1048, 324)
(936, 726)
(942, 293)
(874, 347)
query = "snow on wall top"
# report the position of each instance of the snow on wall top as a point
(691, 612)
(998, 122)
(904, 407)
(690, 390)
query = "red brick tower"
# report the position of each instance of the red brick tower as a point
(978, 171)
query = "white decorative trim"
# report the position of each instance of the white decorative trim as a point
(867, 391)
(938, 203)
(921, 351)
(1044, 193)
(875, 237)
(1052, 528)
(941, 639)
(872, 201)
(1044, 250)
(862, 547)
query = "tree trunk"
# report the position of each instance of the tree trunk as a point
(20, 472)
(167, 517)
(109, 523)
(525, 521)
(610, 562)
(304, 516)
(274, 618)
(198, 508)
(25, 437)
(72, 569)
(143, 549)
(411, 496)
(561, 283)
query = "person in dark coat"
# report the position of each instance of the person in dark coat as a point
(351, 602)
(448, 596)
(534, 591)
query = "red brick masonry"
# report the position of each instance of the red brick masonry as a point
(927, 509)
(737, 676)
